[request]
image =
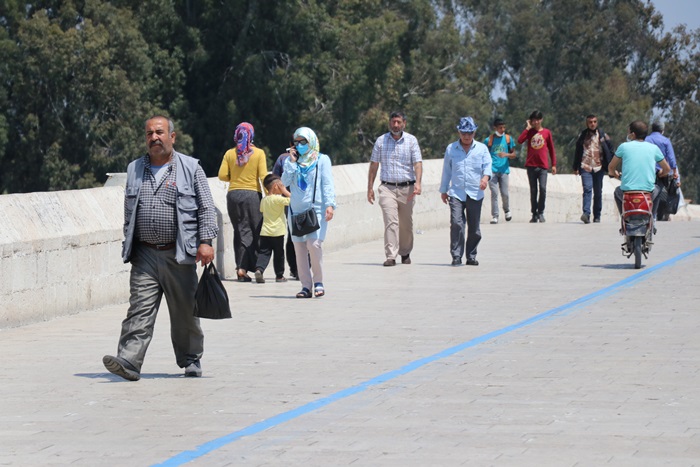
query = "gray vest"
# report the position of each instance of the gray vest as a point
(187, 220)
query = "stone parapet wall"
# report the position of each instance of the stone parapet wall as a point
(60, 252)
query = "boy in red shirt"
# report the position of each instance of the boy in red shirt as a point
(539, 145)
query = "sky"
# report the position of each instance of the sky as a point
(677, 12)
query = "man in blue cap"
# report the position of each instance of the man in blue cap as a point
(466, 172)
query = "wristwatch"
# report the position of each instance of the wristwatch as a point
(205, 242)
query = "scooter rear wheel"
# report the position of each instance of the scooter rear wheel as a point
(637, 252)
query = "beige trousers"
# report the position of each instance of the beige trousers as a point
(398, 219)
(309, 273)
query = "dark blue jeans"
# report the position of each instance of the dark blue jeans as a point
(537, 176)
(462, 212)
(592, 187)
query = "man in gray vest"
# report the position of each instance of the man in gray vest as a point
(169, 225)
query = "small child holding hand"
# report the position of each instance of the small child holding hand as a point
(273, 229)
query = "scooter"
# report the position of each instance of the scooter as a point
(637, 225)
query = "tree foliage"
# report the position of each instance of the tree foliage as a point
(79, 81)
(78, 77)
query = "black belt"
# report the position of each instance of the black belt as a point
(412, 182)
(161, 246)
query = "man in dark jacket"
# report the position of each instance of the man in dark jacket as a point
(593, 154)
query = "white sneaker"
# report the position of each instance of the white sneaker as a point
(508, 216)
(494, 220)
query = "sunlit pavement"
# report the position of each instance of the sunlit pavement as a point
(553, 351)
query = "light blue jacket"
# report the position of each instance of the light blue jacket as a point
(462, 171)
(301, 200)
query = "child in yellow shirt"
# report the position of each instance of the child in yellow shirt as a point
(273, 229)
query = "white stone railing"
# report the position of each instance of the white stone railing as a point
(60, 252)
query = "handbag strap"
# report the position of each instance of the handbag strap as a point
(313, 198)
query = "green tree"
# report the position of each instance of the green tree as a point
(676, 95)
(682, 129)
(338, 67)
(83, 80)
(78, 77)
(570, 58)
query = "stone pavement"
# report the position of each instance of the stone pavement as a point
(613, 379)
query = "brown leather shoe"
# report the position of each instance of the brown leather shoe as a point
(405, 259)
(390, 262)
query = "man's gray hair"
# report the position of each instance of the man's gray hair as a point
(658, 127)
(171, 125)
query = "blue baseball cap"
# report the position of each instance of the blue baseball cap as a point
(466, 125)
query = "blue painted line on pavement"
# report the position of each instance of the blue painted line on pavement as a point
(206, 448)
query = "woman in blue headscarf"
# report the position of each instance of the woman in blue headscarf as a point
(306, 168)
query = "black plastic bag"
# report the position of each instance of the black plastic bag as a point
(211, 299)
(674, 197)
(669, 198)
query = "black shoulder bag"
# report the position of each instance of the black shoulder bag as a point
(307, 221)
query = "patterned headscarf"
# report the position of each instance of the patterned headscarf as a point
(307, 161)
(244, 142)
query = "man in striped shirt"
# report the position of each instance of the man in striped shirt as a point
(400, 158)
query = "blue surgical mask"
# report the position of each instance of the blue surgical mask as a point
(628, 137)
(302, 149)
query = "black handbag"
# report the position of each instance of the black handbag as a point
(211, 299)
(306, 222)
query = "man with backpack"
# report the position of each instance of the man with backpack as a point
(502, 149)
